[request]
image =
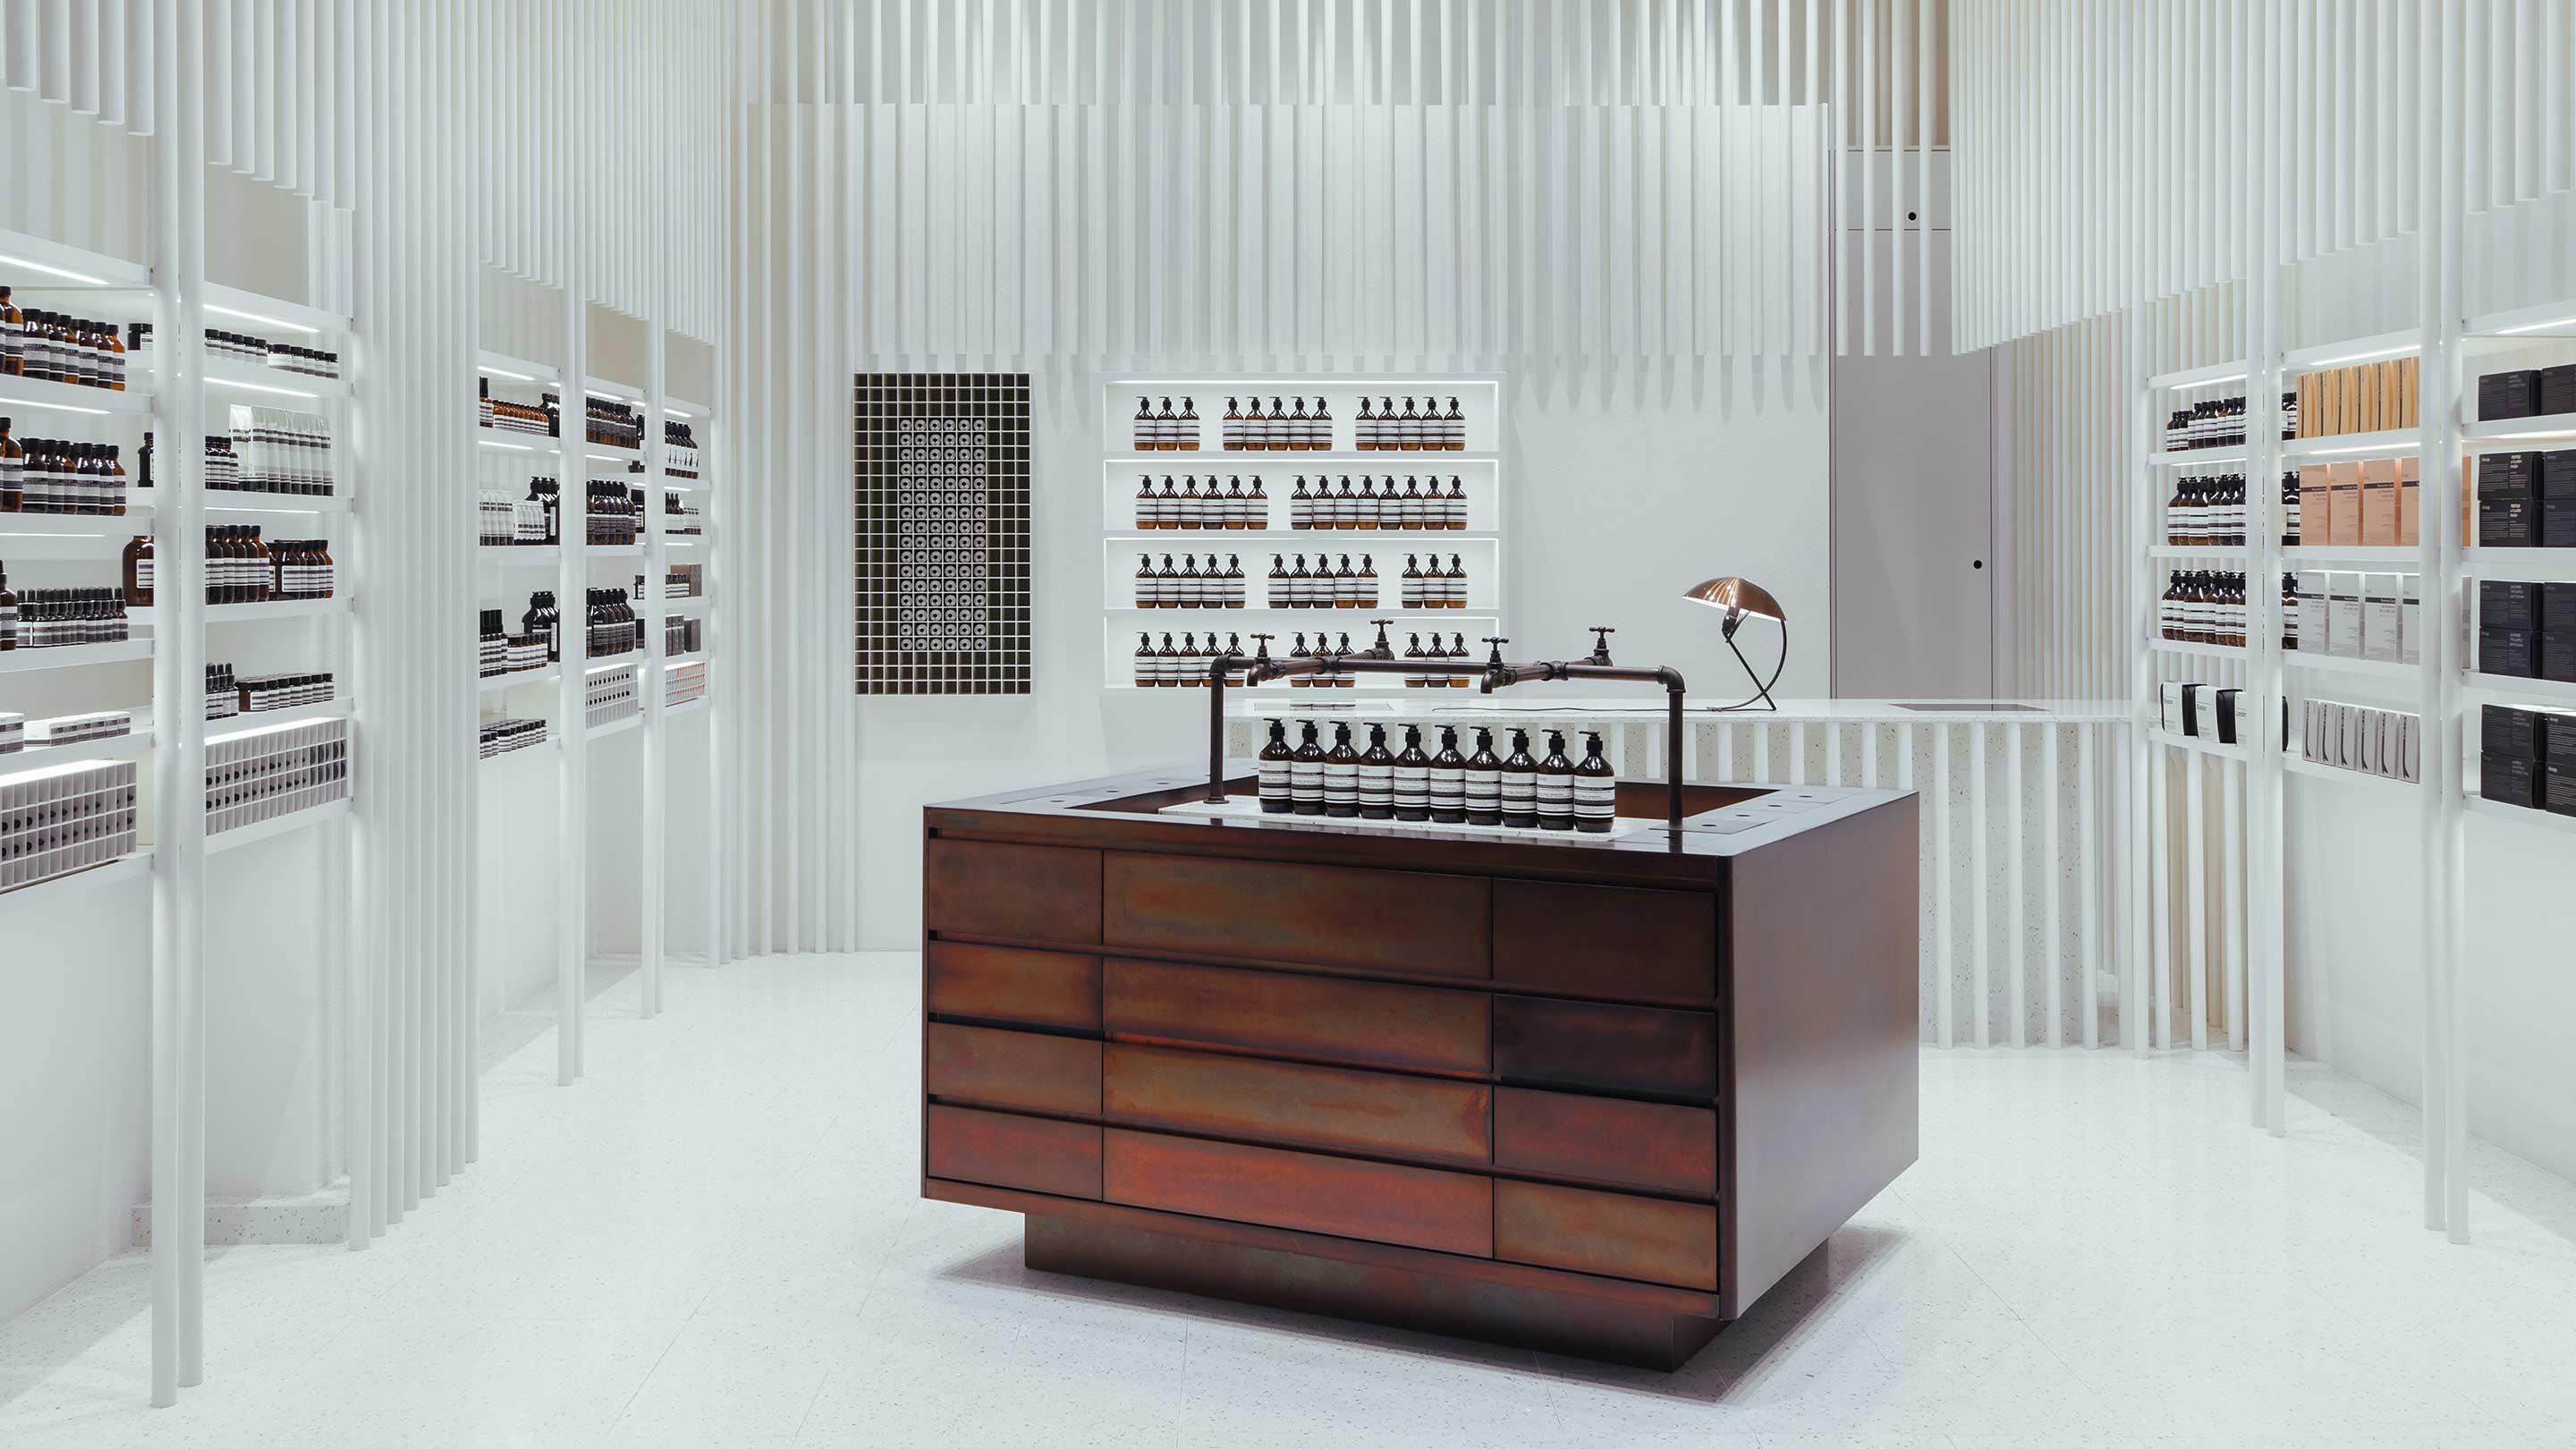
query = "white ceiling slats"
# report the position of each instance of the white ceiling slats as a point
(282, 105)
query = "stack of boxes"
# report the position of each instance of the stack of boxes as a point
(2367, 397)
(2527, 630)
(2527, 500)
(2209, 712)
(2527, 757)
(56, 819)
(2382, 742)
(2527, 393)
(2361, 503)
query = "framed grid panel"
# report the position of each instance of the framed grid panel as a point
(941, 479)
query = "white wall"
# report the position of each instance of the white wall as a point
(1623, 491)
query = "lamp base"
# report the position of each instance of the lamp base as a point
(1761, 700)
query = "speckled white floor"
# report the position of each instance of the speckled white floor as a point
(713, 1241)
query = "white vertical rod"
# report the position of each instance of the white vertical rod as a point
(183, 822)
(2140, 775)
(2017, 792)
(2195, 864)
(1981, 881)
(2092, 844)
(2259, 831)
(572, 572)
(1834, 753)
(2446, 1187)
(1762, 755)
(2158, 997)
(1946, 987)
(653, 882)
(1868, 756)
(2234, 884)
(1798, 753)
(177, 854)
(2052, 952)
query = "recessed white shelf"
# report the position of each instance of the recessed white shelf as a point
(25, 536)
(2301, 765)
(73, 656)
(2396, 560)
(508, 441)
(613, 550)
(27, 392)
(2231, 652)
(2180, 550)
(2541, 819)
(498, 682)
(2552, 428)
(253, 719)
(34, 263)
(234, 380)
(2388, 440)
(227, 501)
(2535, 565)
(252, 613)
(2496, 688)
(514, 369)
(275, 826)
(239, 308)
(613, 727)
(2379, 348)
(129, 866)
(2301, 659)
(2214, 375)
(545, 553)
(2195, 744)
(686, 706)
(2195, 457)
(114, 747)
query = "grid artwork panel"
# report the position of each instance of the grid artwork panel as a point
(942, 497)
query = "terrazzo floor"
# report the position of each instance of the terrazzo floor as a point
(713, 1241)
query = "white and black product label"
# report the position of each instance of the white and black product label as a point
(1412, 789)
(1596, 798)
(1306, 783)
(1275, 784)
(1520, 793)
(1342, 784)
(1377, 789)
(1555, 796)
(1448, 790)
(1484, 791)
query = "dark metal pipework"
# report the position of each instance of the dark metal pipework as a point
(1496, 676)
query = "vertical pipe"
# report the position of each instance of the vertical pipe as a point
(2052, 953)
(572, 835)
(2235, 882)
(2090, 842)
(171, 147)
(1947, 986)
(2158, 995)
(183, 824)
(1981, 946)
(2195, 864)
(2017, 809)
(2139, 768)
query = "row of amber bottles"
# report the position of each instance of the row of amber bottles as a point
(1515, 791)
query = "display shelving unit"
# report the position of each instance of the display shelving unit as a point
(507, 573)
(1483, 547)
(2443, 688)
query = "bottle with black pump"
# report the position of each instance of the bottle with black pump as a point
(1277, 796)
(1520, 785)
(1301, 681)
(1306, 775)
(1413, 655)
(1596, 790)
(1146, 666)
(1448, 780)
(1458, 651)
(1556, 786)
(1482, 782)
(1344, 681)
(1377, 777)
(1342, 776)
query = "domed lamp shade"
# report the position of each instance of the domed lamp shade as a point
(1744, 599)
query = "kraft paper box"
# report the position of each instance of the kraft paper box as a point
(2365, 388)
(2379, 503)
(2409, 392)
(2343, 505)
(2313, 506)
(2410, 503)
(2392, 409)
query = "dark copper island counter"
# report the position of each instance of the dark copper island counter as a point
(1592, 1094)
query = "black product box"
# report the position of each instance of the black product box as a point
(2557, 523)
(2508, 604)
(2557, 606)
(2558, 388)
(2557, 735)
(2509, 780)
(2513, 653)
(2508, 395)
(2508, 475)
(2558, 474)
(2558, 788)
(2505, 729)
(2508, 522)
(2558, 655)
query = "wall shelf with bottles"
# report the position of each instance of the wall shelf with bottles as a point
(1375, 468)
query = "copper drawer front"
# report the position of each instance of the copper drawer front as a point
(1415, 1207)
(1012, 1069)
(1583, 940)
(1288, 1102)
(1272, 1013)
(1317, 915)
(1649, 1239)
(1030, 892)
(1035, 1154)
(1650, 1145)
(1640, 1050)
(1004, 983)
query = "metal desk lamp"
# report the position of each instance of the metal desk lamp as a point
(1743, 599)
